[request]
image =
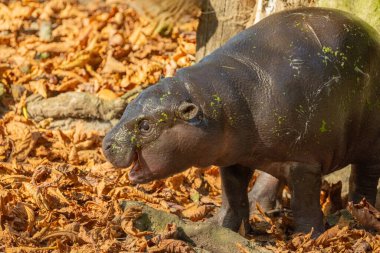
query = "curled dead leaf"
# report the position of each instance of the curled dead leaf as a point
(196, 213)
(171, 246)
(324, 238)
(107, 94)
(24, 137)
(365, 214)
(69, 234)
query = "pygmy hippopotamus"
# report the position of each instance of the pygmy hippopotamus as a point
(297, 92)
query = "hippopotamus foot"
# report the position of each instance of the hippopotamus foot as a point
(264, 192)
(235, 205)
(305, 185)
(363, 182)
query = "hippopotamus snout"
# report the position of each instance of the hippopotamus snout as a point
(120, 153)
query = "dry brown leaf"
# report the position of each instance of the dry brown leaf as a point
(323, 239)
(170, 232)
(241, 248)
(133, 192)
(113, 66)
(80, 61)
(302, 241)
(152, 186)
(37, 197)
(29, 249)
(69, 234)
(196, 213)
(56, 195)
(24, 137)
(365, 214)
(39, 87)
(55, 47)
(171, 246)
(6, 52)
(263, 214)
(31, 218)
(107, 94)
(128, 228)
(69, 74)
(362, 246)
(67, 85)
(175, 182)
(10, 179)
(132, 213)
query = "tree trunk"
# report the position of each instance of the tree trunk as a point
(220, 20)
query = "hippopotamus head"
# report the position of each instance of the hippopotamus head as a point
(162, 132)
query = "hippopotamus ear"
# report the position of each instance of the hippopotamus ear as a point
(187, 111)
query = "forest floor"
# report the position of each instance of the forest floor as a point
(58, 193)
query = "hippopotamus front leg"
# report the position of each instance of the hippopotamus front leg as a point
(305, 184)
(363, 182)
(235, 205)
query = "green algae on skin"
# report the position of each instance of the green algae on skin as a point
(217, 98)
(280, 120)
(232, 119)
(323, 127)
(133, 139)
(299, 26)
(164, 96)
(114, 146)
(328, 52)
(215, 104)
(164, 117)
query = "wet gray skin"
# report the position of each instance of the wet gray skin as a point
(297, 96)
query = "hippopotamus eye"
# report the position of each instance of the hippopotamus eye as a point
(144, 126)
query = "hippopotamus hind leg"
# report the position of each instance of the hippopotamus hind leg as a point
(235, 205)
(363, 182)
(305, 184)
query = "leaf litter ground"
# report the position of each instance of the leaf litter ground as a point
(57, 192)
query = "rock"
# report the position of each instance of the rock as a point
(206, 236)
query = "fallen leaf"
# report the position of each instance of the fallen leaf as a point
(365, 214)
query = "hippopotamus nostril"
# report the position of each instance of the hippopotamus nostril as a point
(108, 146)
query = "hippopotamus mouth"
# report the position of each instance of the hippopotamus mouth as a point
(138, 173)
